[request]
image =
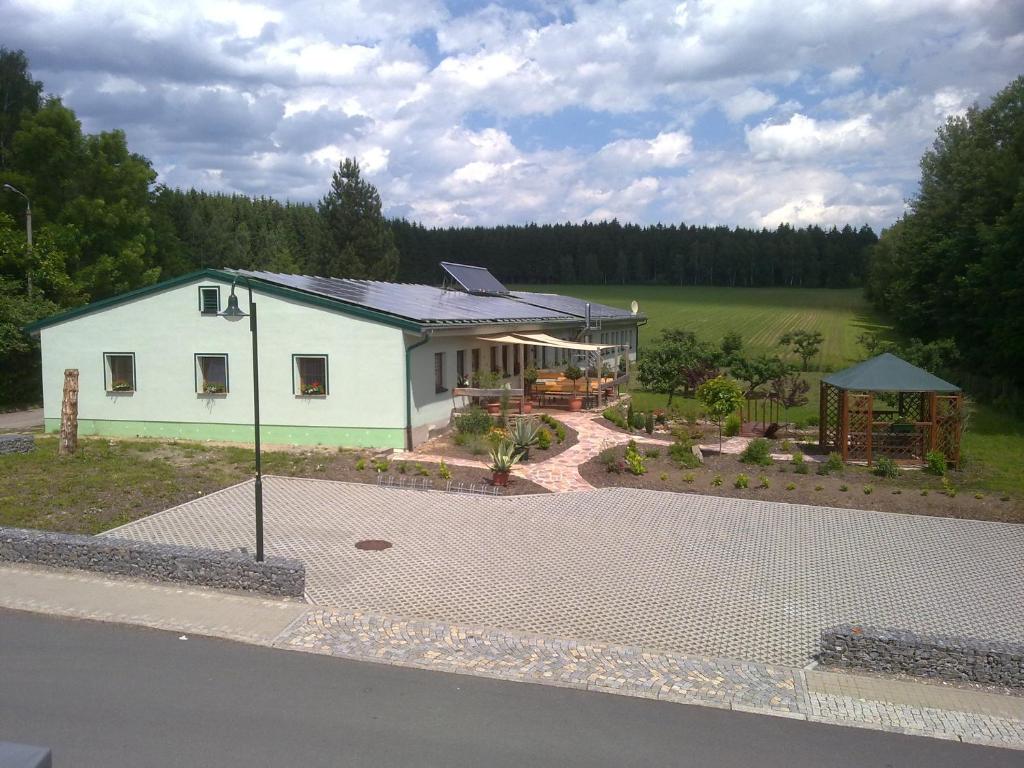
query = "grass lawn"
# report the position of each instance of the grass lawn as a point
(761, 315)
(111, 482)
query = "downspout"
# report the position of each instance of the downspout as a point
(408, 389)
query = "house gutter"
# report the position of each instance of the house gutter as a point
(408, 388)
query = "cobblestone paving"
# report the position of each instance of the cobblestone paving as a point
(725, 683)
(687, 574)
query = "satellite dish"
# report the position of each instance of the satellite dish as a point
(634, 307)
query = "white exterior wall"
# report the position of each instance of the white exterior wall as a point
(366, 365)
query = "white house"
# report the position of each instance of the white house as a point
(340, 362)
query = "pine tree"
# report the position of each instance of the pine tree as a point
(364, 246)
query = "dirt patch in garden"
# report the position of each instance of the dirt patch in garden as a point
(445, 445)
(914, 492)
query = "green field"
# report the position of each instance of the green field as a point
(761, 315)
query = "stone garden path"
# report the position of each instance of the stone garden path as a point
(561, 472)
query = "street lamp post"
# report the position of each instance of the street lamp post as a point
(234, 313)
(28, 228)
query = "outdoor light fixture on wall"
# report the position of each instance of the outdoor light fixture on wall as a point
(234, 312)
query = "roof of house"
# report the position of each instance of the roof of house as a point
(888, 373)
(406, 305)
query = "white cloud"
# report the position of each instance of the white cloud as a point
(804, 137)
(666, 150)
(748, 102)
(843, 76)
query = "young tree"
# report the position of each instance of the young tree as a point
(677, 362)
(804, 343)
(732, 347)
(721, 397)
(790, 390)
(760, 370)
(364, 246)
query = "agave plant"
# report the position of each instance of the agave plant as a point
(524, 433)
(504, 456)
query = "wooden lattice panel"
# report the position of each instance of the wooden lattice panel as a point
(948, 426)
(858, 406)
(831, 421)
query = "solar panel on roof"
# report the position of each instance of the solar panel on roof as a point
(473, 279)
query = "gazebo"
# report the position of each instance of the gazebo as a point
(887, 407)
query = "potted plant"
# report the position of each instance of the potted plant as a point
(529, 379)
(313, 388)
(524, 433)
(121, 386)
(213, 388)
(504, 456)
(490, 380)
(574, 374)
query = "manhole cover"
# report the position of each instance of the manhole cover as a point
(373, 545)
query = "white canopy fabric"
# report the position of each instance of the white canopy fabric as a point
(543, 340)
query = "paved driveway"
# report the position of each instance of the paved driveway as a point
(15, 421)
(698, 575)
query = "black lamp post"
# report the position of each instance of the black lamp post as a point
(234, 313)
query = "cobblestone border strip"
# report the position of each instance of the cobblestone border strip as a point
(162, 562)
(724, 683)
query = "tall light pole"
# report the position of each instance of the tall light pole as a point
(28, 228)
(234, 313)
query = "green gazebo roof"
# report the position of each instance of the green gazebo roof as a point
(888, 373)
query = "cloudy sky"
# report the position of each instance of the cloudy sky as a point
(751, 113)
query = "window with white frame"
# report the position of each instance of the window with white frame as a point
(209, 300)
(211, 374)
(309, 374)
(119, 371)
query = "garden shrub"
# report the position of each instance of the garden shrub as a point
(609, 457)
(663, 477)
(800, 463)
(402, 468)
(360, 464)
(477, 445)
(834, 462)
(638, 421)
(786, 446)
(381, 465)
(732, 425)
(475, 421)
(614, 415)
(635, 463)
(629, 413)
(757, 452)
(764, 482)
(742, 481)
(843, 488)
(689, 477)
(936, 463)
(649, 423)
(948, 488)
(716, 480)
(886, 467)
(443, 472)
(867, 490)
(421, 470)
(543, 439)
(790, 486)
(682, 454)
(651, 453)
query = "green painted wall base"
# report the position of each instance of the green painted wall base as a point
(270, 434)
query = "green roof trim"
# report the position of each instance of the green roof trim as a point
(888, 373)
(226, 276)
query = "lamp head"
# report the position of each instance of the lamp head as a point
(233, 312)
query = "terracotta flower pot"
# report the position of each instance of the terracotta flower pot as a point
(499, 478)
(527, 407)
(494, 408)
(576, 404)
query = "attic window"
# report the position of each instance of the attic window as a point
(209, 300)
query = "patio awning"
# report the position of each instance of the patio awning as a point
(543, 340)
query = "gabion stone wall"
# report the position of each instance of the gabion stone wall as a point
(16, 444)
(935, 656)
(162, 562)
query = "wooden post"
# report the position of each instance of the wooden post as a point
(933, 407)
(959, 429)
(822, 426)
(871, 423)
(522, 377)
(844, 425)
(69, 414)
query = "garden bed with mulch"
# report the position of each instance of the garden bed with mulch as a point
(853, 487)
(478, 450)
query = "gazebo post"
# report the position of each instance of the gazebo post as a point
(871, 424)
(957, 433)
(844, 416)
(822, 426)
(933, 407)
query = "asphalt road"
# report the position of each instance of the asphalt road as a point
(107, 695)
